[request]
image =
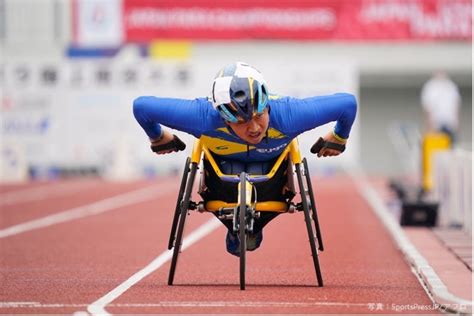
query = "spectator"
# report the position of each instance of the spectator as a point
(441, 102)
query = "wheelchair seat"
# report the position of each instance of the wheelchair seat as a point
(213, 188)
(229, 166)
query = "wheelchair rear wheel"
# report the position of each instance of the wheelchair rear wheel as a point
(313, 204)
(242, 227)
(184, 206)
(311, 234)
(177, 210)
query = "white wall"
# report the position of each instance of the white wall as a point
(69, 122)
(35, 28)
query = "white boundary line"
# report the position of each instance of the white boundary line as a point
(98, 307)
(98, 207)
(435, 286)
(186, 304)
(42, 192)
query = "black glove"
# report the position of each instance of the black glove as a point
(175, 145)
(321, 143)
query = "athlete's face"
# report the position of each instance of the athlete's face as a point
(254, 130)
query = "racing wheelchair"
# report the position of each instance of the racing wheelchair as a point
(247, 208)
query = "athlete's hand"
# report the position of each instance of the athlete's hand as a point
(167, 137)
(327, 152)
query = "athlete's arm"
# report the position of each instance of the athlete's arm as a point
(190, 116)
(300, 115)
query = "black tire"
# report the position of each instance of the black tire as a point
(313, 205)
(309, 227)
(177, 210)
(182, 219)
(242, 229)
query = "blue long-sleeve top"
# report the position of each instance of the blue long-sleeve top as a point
(289, 117)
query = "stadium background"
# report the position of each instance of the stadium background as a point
(70, 70)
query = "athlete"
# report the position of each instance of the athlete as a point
(245, 128)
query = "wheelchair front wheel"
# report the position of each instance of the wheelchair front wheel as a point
(242, 227)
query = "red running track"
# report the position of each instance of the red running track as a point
(65, 267)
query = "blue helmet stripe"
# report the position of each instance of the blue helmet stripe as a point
(226, 114)
(262, 99)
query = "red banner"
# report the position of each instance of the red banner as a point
(145, 20)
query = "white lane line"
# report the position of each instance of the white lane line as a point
(98, 307)
(187, 304)
(238, 304)
(42, 192)
(424, 272)
(37, 305)
(18, 304)
(101, 206)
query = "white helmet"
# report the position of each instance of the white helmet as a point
(238, 92)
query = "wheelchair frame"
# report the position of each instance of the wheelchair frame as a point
(244, 211)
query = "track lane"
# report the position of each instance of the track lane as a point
(73, 264)
(20, 186)
(77, 262)
(362, 269)
(81, 193)
(32, 191)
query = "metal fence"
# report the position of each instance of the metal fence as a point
(453, 188)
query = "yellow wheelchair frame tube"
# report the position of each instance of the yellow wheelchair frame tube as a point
(273, 206)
